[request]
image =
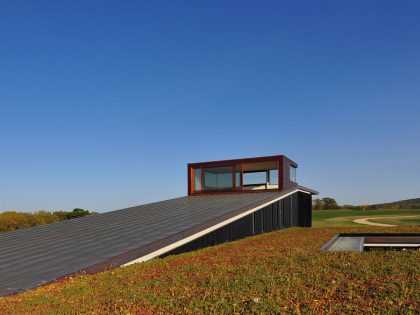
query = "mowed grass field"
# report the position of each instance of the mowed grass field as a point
(280, 272)
(323, 218)
(398, 221)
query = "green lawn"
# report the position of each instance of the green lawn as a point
(282, 272)
(398, 221)
(322, 218)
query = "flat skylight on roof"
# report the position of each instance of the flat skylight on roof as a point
(369, 242)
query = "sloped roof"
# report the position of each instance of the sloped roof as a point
(42, 254)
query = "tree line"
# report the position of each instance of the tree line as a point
(329, 203)
(14, 220)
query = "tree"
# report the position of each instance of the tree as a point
(12, 220)
(329, 203)
(317, 204)
(62, 215)
(77, 213)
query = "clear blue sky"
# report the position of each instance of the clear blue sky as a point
(103, 103)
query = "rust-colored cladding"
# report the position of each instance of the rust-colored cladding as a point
(281, 176)
(190, 178)
(286, 182)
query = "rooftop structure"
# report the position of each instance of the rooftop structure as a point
(268, 173)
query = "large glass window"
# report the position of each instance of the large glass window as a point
(197, 179)
(217, 178)
(293, 174)
(243, 176)
(255, 178)
(274, 177)
(238, 176)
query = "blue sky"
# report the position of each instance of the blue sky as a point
(103, 103)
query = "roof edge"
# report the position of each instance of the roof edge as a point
(249, 160)
(311, 191)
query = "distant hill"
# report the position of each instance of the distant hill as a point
(402, 204)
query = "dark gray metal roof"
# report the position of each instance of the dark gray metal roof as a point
(42, 254)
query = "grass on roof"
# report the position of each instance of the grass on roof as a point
(279, 272)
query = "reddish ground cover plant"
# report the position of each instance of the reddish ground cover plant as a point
(279, 272)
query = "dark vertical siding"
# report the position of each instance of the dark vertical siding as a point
(275, 215)
(258, 222)
(305, 210)
(267, 219)
(287, 212)
(294, 210)
(280, 214)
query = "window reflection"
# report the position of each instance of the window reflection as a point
(293, 174)
(197, 179)
(217, 177)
